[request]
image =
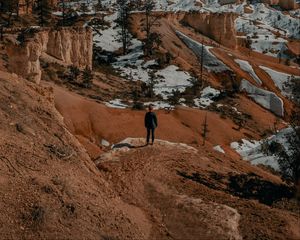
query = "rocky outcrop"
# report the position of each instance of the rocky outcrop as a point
(288, 4)
(285, 4)
(70, 46)
(224, 2)
(219, 27)
(26, 6)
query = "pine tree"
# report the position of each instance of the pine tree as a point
(174, 97)
(123, 22)
(9, 8)
(99, 5)
(74, 73)
(196, 85)
(151, 84)
(1, 32)
(43, 11)
(87, 78)
(63, 5)
(289, 158)
(204, 130)
(152, 38)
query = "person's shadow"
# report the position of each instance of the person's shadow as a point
(121, 145)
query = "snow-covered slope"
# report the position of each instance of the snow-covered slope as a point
(245, 65)
(210, 61)
(280, 79)
(252, 150)
(267, 99)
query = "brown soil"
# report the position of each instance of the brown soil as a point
(50, 186)
(58, 182)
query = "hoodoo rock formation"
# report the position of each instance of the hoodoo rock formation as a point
(69, 46)
(219, 27)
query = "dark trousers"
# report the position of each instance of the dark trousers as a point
(150, 130)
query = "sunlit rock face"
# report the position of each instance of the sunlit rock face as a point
(69, 46)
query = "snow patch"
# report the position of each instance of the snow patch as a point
(245, 65)
(105, 143)
(207, 96)
(116, 103)
(252, 150)
(280, 80)
(171, 78)
(218, 148)
(267, 99)
(210, 61)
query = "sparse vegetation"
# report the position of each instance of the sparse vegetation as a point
(204, 130)
(123, 20)
(152, 39)
(35, 216)
(174, 97)
(43, 12)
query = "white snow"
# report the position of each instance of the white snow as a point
(105, 143)
(159, 105)
(207, 95)
(218, 148)
(210, 61)
(245, 65)
(116, 103)
(108, 40)
(171, 78)
(280, 79)
(276, 20)
(267, 99)
(266, 26)
(251, 150)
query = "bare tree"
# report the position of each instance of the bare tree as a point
(202, 62)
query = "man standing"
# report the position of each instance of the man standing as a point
(150, 123)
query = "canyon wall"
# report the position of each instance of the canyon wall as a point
(224, 2)
(284, 4)
(26, 6)
(70, 46)
(288, 4)
(219, 27)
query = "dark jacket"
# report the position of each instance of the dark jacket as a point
(150, 120)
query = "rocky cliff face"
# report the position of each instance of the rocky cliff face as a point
(70, 46)
(288, 4)
(285, 4)
(26, 6)
(219, 27)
